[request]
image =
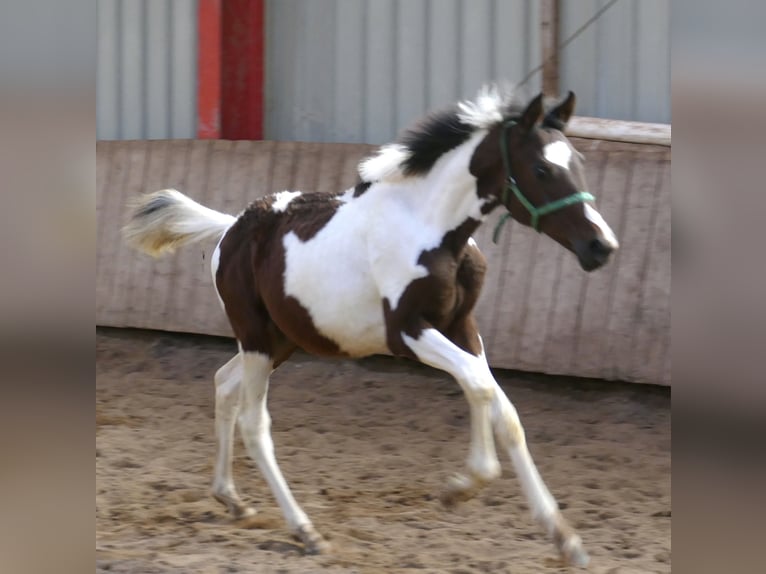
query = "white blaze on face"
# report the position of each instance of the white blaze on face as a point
(595, 218)
(558, 152)
(283, 199)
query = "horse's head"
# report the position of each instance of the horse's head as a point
(530, 167)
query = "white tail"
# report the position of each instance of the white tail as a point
(164, 220)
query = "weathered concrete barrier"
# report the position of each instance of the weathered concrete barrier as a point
(538, 311)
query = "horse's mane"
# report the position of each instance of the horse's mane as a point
(420, 146)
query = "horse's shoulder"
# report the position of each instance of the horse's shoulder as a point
(472, 267)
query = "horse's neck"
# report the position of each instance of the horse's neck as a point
(446, 196)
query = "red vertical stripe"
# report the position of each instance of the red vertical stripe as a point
(243, 29)
(209, 69)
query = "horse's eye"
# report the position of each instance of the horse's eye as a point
(542, 171)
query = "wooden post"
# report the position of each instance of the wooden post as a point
(230, 69)
(549, 34)
(242, 77)
(209, 69)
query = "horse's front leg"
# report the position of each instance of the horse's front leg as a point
(474, 377)
(511, 438)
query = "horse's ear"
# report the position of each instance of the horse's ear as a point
(559, 116)
(532, 114)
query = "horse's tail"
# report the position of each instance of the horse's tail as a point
(164, 220)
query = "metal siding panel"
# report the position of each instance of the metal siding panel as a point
(131, 79)
(533, 47)
(410, 43)
(301, 60)
(183, 72)
(653, 54)
(509, 40)
(443, 53)
(578, 62)
(157, 70)
(340, 70)
(281, 50)
(108, 71)
(475, 46)
(381, 72)
(147, 69)
(315, 82)
(620, 66)
(615, 79)
(350, 55)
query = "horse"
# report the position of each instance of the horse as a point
(388, 267)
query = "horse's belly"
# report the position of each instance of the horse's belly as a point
(339, 293)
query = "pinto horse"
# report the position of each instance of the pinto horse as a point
(388, 267)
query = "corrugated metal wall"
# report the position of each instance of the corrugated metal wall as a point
(147, 69)
(361, 70)
(620, 66)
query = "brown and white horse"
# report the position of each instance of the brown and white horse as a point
(388, 267)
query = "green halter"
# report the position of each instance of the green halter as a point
(535, 212)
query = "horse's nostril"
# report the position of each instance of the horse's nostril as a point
(600, 248)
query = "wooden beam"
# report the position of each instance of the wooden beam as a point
(619, 130)
(549, 36)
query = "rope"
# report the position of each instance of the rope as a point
(569, 40)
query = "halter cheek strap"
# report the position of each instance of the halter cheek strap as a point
(535, 212)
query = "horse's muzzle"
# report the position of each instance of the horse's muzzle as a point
(594, 253)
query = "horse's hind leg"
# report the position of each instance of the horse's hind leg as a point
(255, 426)
(227, 398)
(511, 437)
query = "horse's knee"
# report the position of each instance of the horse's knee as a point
(478, 385)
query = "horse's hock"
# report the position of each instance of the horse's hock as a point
(538, 311)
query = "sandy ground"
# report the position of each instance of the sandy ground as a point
(367, 447)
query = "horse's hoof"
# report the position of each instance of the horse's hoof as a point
(569, 543)
(459, 489)
(574, 553)
(313, 542)
(242, 512)
(235, 506)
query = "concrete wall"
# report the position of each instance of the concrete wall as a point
(538, 312)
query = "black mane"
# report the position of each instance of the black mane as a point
(440, 132)
(432, 137)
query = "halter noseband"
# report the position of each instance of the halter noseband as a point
(535, 212)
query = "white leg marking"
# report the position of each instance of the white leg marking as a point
(472, 242)
(255, 426)
(474, 377)
(595, 218)
(510, 436)
(559, 153)
(227, 398)
(283, 199)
